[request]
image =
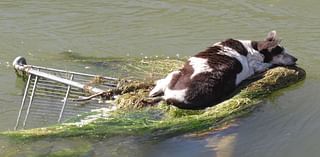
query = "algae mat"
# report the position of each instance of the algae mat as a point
(165, 121)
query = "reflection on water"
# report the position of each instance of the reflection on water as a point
(287, 125)
(223, 147)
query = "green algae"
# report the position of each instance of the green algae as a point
(163, 120)
(136, 116)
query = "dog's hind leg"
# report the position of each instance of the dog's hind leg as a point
(162, 84)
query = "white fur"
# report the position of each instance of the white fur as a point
(255, 58)
(246, 70)
(162, 85)
(216, 44)
(178, 95)
(285, 58)
(199, 65)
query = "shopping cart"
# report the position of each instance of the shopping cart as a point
(51, 95)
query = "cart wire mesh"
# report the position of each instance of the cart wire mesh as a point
(49, 94)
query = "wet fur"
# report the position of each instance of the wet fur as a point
(207, 88)
(211, 75)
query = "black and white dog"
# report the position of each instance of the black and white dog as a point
(211, 75)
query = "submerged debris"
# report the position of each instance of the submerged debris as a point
(134, 94)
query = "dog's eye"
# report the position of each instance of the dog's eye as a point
(277, 50)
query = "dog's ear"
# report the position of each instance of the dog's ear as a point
(268, 45)
(271, 36)
(270, 42)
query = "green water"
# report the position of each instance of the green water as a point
(286, 125)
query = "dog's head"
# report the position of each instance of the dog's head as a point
(273, 52)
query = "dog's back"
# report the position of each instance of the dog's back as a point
(207, 79)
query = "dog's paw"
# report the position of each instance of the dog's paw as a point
(155, 92)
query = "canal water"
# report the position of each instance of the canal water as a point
(286, 125)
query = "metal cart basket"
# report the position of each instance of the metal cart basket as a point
(49, 92)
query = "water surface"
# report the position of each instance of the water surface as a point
(287, 124)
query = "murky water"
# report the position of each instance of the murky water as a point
(287, 124)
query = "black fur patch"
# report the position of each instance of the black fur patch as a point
(236, 45)
(209, 88)
(254, 45)
(277, 50)
(267, 56)
(182, 80)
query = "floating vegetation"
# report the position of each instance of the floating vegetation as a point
(136, 117)
(150, 68)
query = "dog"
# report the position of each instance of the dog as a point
(210, 76)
